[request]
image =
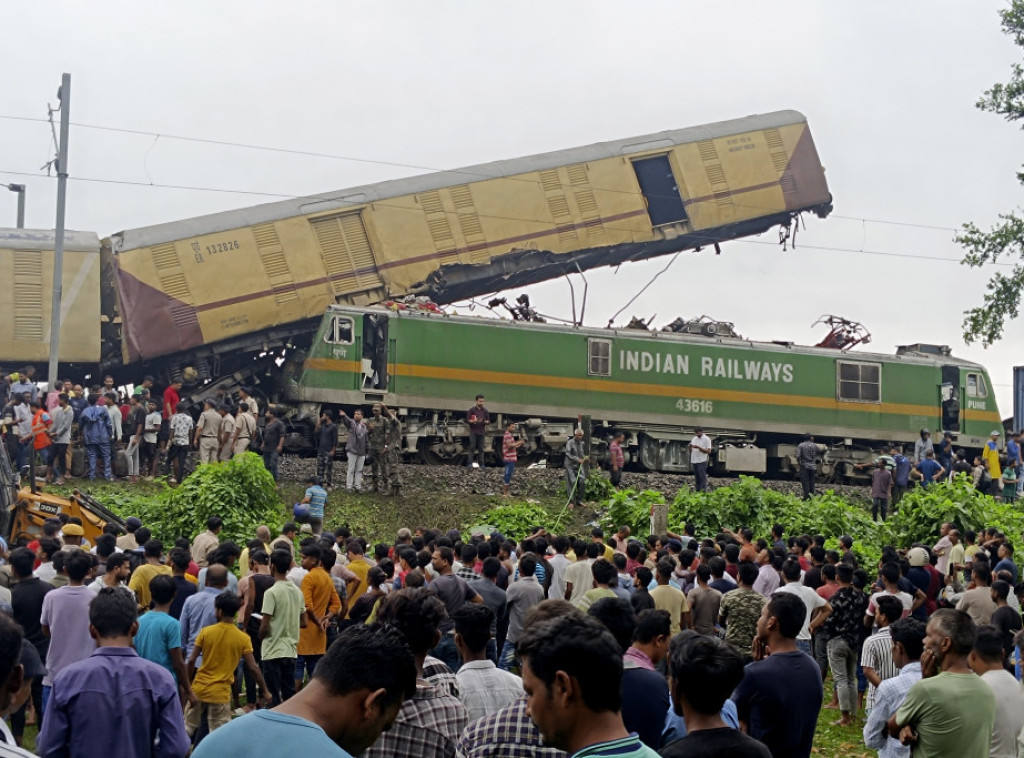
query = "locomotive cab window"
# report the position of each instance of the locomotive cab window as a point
(859, 382)
(600, 363)
(340, 331)
(976, 386)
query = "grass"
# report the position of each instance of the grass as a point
(846, 741)
(424, 502)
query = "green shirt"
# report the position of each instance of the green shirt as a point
(953, 715)
(627, 747)
(284, 603)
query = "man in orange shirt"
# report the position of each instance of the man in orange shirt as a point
(322, 604)
(40, 436)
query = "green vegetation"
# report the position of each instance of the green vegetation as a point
(750, 503)
(240, 491)
(1005, 239)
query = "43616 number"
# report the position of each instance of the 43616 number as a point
(689, 405)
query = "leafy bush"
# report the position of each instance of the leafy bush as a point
(515, 520)
(241, 491)
(597, 487)
(749, 503)
(923, 510)
(633, 509)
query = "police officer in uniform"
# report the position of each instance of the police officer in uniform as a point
(393, 452)
(378, 428)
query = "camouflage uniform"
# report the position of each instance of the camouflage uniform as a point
(378, 426)
(393, 457)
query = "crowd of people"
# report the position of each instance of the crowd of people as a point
(482, 646)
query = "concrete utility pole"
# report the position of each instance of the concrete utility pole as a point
(20, 189)
(64, 95)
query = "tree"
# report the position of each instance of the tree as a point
(1006, 238)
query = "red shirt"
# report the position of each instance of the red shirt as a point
(172, 399)
(826, 591)
(508, 448)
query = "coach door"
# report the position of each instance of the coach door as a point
(950, 396)
(375, 353)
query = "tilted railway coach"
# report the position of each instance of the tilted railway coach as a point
(201, 299)
(755, 399)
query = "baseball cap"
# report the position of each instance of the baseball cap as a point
(918, 556)
(995, 433)
(72, 530)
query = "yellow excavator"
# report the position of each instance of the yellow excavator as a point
(23, 509)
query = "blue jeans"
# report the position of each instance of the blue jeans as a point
(805, 646)
(510, 467)
(447, 652)
(46, 696)
(101, 450)
(270, 459)
(508, 659)
(24, 455)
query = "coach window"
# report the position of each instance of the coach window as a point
(976, 386)
(340, 331)
(859, 382)
(600, 357)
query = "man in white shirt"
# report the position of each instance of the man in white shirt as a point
(559, 562)
(483, 687)
(986, 660)
(818, 609)
(700, 449)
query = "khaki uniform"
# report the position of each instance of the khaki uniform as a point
(227, 429)
(253, 406)
(378, 426)
(245, 425)
(393, 457)
(208, 430)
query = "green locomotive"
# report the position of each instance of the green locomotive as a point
(755, 399)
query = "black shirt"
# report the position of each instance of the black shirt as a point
(185, 590)
(273, 433)
(779, 699)
(1008, 621)
(812, 577)
(27, 601)
(326, 438)
(716, 743)
(645, 704)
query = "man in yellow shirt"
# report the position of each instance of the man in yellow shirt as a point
(221, 645)
(668, 598)
(357, 565)
(597, 535)
(139, 583)
(322, 604)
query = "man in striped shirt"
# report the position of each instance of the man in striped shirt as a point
(907, 646)
(509, 454)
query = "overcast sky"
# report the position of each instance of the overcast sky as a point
(888, 89)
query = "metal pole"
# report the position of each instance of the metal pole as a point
(64, 95)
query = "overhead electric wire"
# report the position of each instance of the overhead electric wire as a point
(372, 161)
